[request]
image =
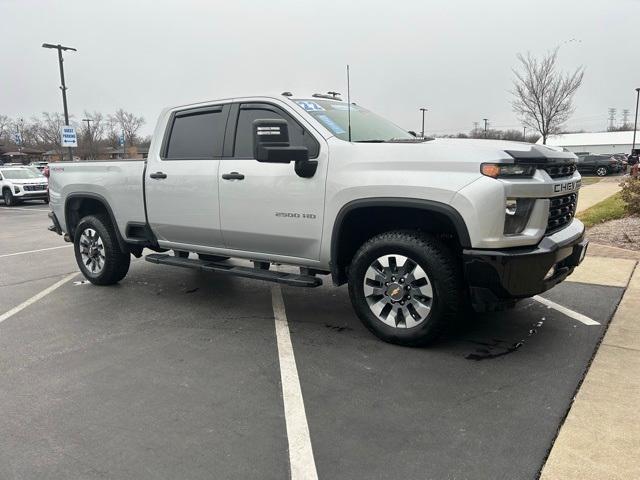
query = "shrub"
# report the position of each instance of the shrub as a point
(631, 195)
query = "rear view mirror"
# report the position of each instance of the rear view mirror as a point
(271, 142)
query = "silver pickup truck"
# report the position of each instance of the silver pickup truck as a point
(421, 229)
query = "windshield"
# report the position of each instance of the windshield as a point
(20, 173)
(365, 125)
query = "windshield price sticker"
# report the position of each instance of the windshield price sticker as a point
(330, 124)
(310, 106)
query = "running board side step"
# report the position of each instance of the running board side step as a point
(291, 279)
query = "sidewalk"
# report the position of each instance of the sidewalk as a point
(600, 437)
(594, 193)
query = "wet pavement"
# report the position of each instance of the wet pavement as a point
(175, 374)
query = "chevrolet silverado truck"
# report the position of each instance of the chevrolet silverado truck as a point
(420, 229)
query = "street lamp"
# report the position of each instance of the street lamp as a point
(635, 125)
(60, 49)
(423, 110)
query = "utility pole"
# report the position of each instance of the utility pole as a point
(423, 110)
(486, 120)
(625, 117)
(88, 120)
(63, 87)
(524, 133)
(635, 124)
(612, 118)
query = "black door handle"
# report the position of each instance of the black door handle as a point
(232, 176)
(158, 175)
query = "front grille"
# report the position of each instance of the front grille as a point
(558, 171)
(34, 188)
(561, 211)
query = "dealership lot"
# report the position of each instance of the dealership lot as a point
(175, 374)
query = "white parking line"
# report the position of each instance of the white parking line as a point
(9, 209)
(35, 251)
(36, 297)
(301, 461)
(569, 313)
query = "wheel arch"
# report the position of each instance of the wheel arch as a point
(346, 236)
(81, 204)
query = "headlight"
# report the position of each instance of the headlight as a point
(508, 170)
(16, 189)
(516, 215)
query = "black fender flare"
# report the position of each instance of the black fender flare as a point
(94, 196)
(415, 203)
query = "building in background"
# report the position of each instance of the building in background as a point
(596, 142)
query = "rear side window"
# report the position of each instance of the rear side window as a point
(298, 135)
(197, 134)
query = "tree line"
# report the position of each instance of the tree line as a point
(100, 132)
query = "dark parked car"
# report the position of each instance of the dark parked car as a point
(601, 165)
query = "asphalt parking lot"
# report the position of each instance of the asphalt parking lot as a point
(175, 374)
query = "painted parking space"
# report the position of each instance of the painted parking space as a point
(178, 374)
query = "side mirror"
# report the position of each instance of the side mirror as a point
(271, 145)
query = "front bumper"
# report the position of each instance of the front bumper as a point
(502, 276)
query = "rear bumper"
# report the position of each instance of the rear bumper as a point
(502, 276)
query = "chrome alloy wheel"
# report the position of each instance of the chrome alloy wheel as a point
(92, 251)
(398, 291)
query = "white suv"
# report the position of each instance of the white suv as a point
(22, 183)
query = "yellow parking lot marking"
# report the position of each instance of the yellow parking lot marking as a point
(302, 463)
(35, 251)
(569, 313)
(36, 297)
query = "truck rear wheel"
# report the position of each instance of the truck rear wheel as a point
(406, 287)
(98, 252)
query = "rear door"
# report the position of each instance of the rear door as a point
(181, 183)
(271, 209)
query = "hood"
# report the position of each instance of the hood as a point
(27, 181)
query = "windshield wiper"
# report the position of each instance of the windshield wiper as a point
(373, 140)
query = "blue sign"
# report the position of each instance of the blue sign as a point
(121, 139)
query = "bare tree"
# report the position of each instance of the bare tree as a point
(5, 123)
(126, 122)
(543, 96)
(46, 129)
(91, 134)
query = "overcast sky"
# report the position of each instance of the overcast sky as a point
(452, 57)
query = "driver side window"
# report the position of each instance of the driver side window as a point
(243, 145)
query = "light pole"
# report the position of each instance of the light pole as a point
(524, 134)
(485, 126)
(635, 124)
(423, 110)
(60, 48)
(88, 120)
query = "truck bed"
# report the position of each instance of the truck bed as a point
(119, 182)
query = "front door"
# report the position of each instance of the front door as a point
(181, 181)
(267, 207)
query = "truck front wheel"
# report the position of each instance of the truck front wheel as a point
(406, 287)
(98, 252)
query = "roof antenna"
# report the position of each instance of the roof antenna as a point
(348, 104)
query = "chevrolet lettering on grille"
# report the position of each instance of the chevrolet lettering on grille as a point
(566, 186)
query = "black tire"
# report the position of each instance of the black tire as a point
(9, 199)
(116, 262)
(442, 269)
(205, 257)
(602, 171)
